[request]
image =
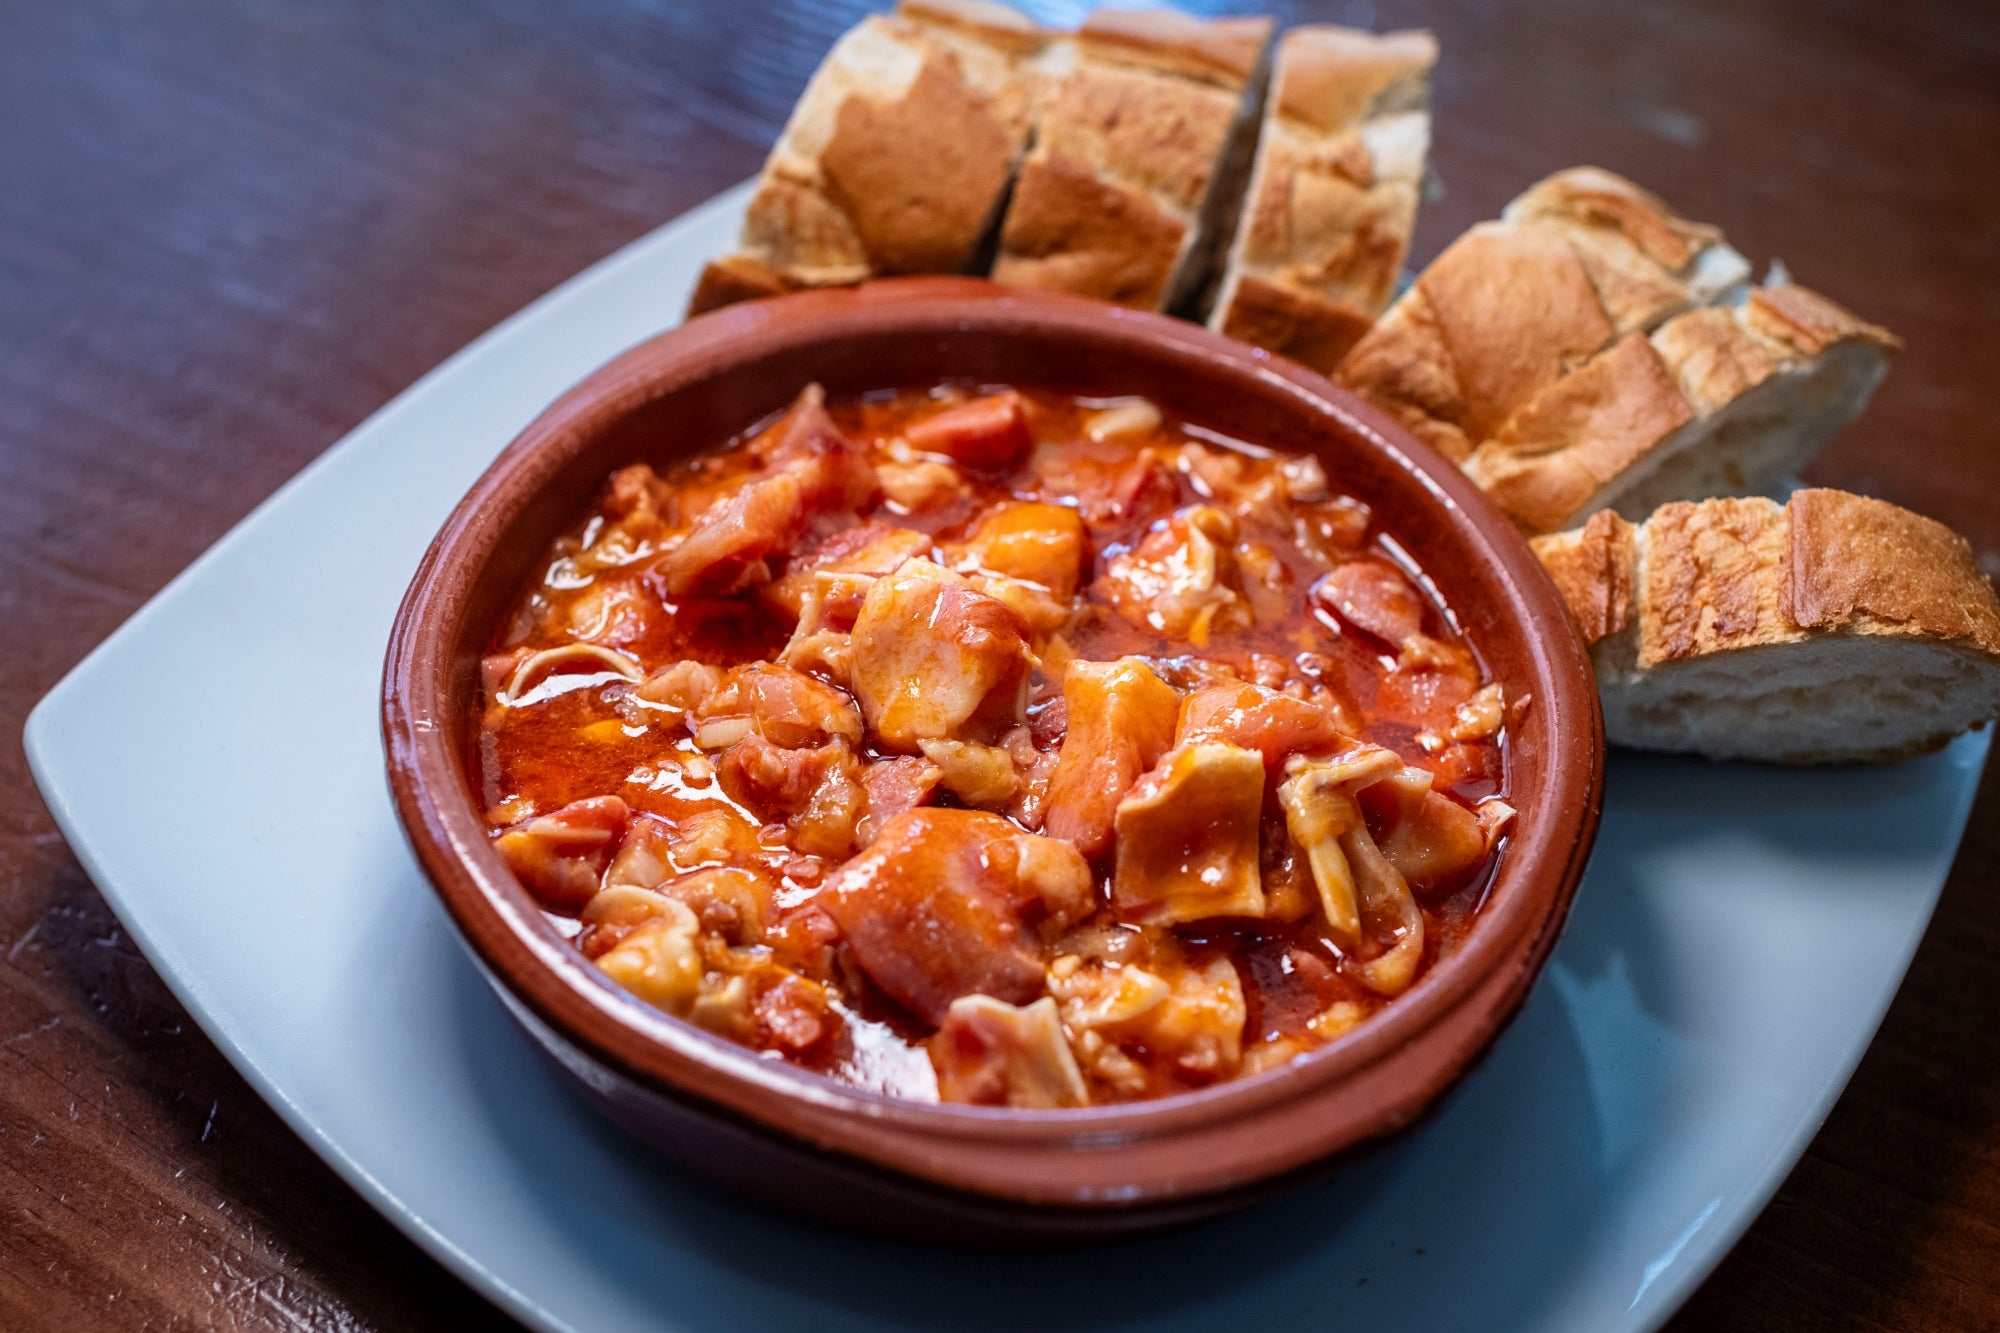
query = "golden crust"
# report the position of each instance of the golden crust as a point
(1857, 563)
(1712, 578)
(898, 152)
(733, 278)
(1141, 130)
(1715, 357)
(1809, 322)
(1515, 309)
(1592, 569)
(1580, 432)
(1327, 78)
(1725, 587)
(1543, 416)
(1069, 230)
(994, 23)
(1325, 226)
(1594, 197)
(1309, 328)
(1403, 366)
(1113, 200)
(919, 177)
(793, 226)
(1223, 51)
(1727, 574)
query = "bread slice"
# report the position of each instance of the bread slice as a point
(1326, 222)
(1139, 151)
(897, 156)
(1592, 349)
(1830, 628)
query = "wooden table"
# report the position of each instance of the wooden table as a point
(228, 232)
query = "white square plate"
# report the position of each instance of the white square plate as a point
(217, 767)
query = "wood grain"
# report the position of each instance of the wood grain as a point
(229, 231)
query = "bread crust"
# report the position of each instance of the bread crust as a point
(1222, 51)
(918, 177)
(1592, 568)
(985, 20)
(1327, 218)
(896, 156)
(1301, 324)
(736, 277)
(1329, 78)
(1515, 309)
(1593, 366)
(1070, 230)
(1114, 199)
(1864, 565)
(1579, 433)
(1738, 582)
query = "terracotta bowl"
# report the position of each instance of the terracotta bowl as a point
(765, 1129)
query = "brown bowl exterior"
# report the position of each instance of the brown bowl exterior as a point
(768, 1129)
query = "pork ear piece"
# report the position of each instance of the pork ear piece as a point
(1831, 628)
(896, 157)
(1592, 349)
(1325, 224)
(1140, 153)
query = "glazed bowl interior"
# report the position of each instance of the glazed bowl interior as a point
(693, 389)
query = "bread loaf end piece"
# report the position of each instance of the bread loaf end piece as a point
(1136, 156)
(897, 155)
(1325, 224)
(1832, 628)
(1592, 349)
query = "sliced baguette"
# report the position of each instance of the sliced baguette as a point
(1139, 151)
(1592, 350)
(1830, 628)
(896, 157)
(1326, 222)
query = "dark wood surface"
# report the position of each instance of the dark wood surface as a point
(229, 231)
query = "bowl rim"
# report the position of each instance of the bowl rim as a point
(944, 1143)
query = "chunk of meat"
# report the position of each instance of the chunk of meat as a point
(1370, 908)
(990, 432)
(1258, 718)
(921, 485)
(942, 902)
(1190, 1018)
(821, 644)
(991, 1053)
(1176, 581)
(1041, 611)
(1373, 596)
(814, 471)
(935, 659)
(1109, 487)
(1320, 810)
(893, 786)
(560, 856)
(1043, 544)
(816, 790)
(681, 685)
(1188, 838)
(784, 706)
(869, 549)
(1121, 719)
(1432, 840)
(743, 994)
(729, 900)
(658, 959)
(982, 776)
